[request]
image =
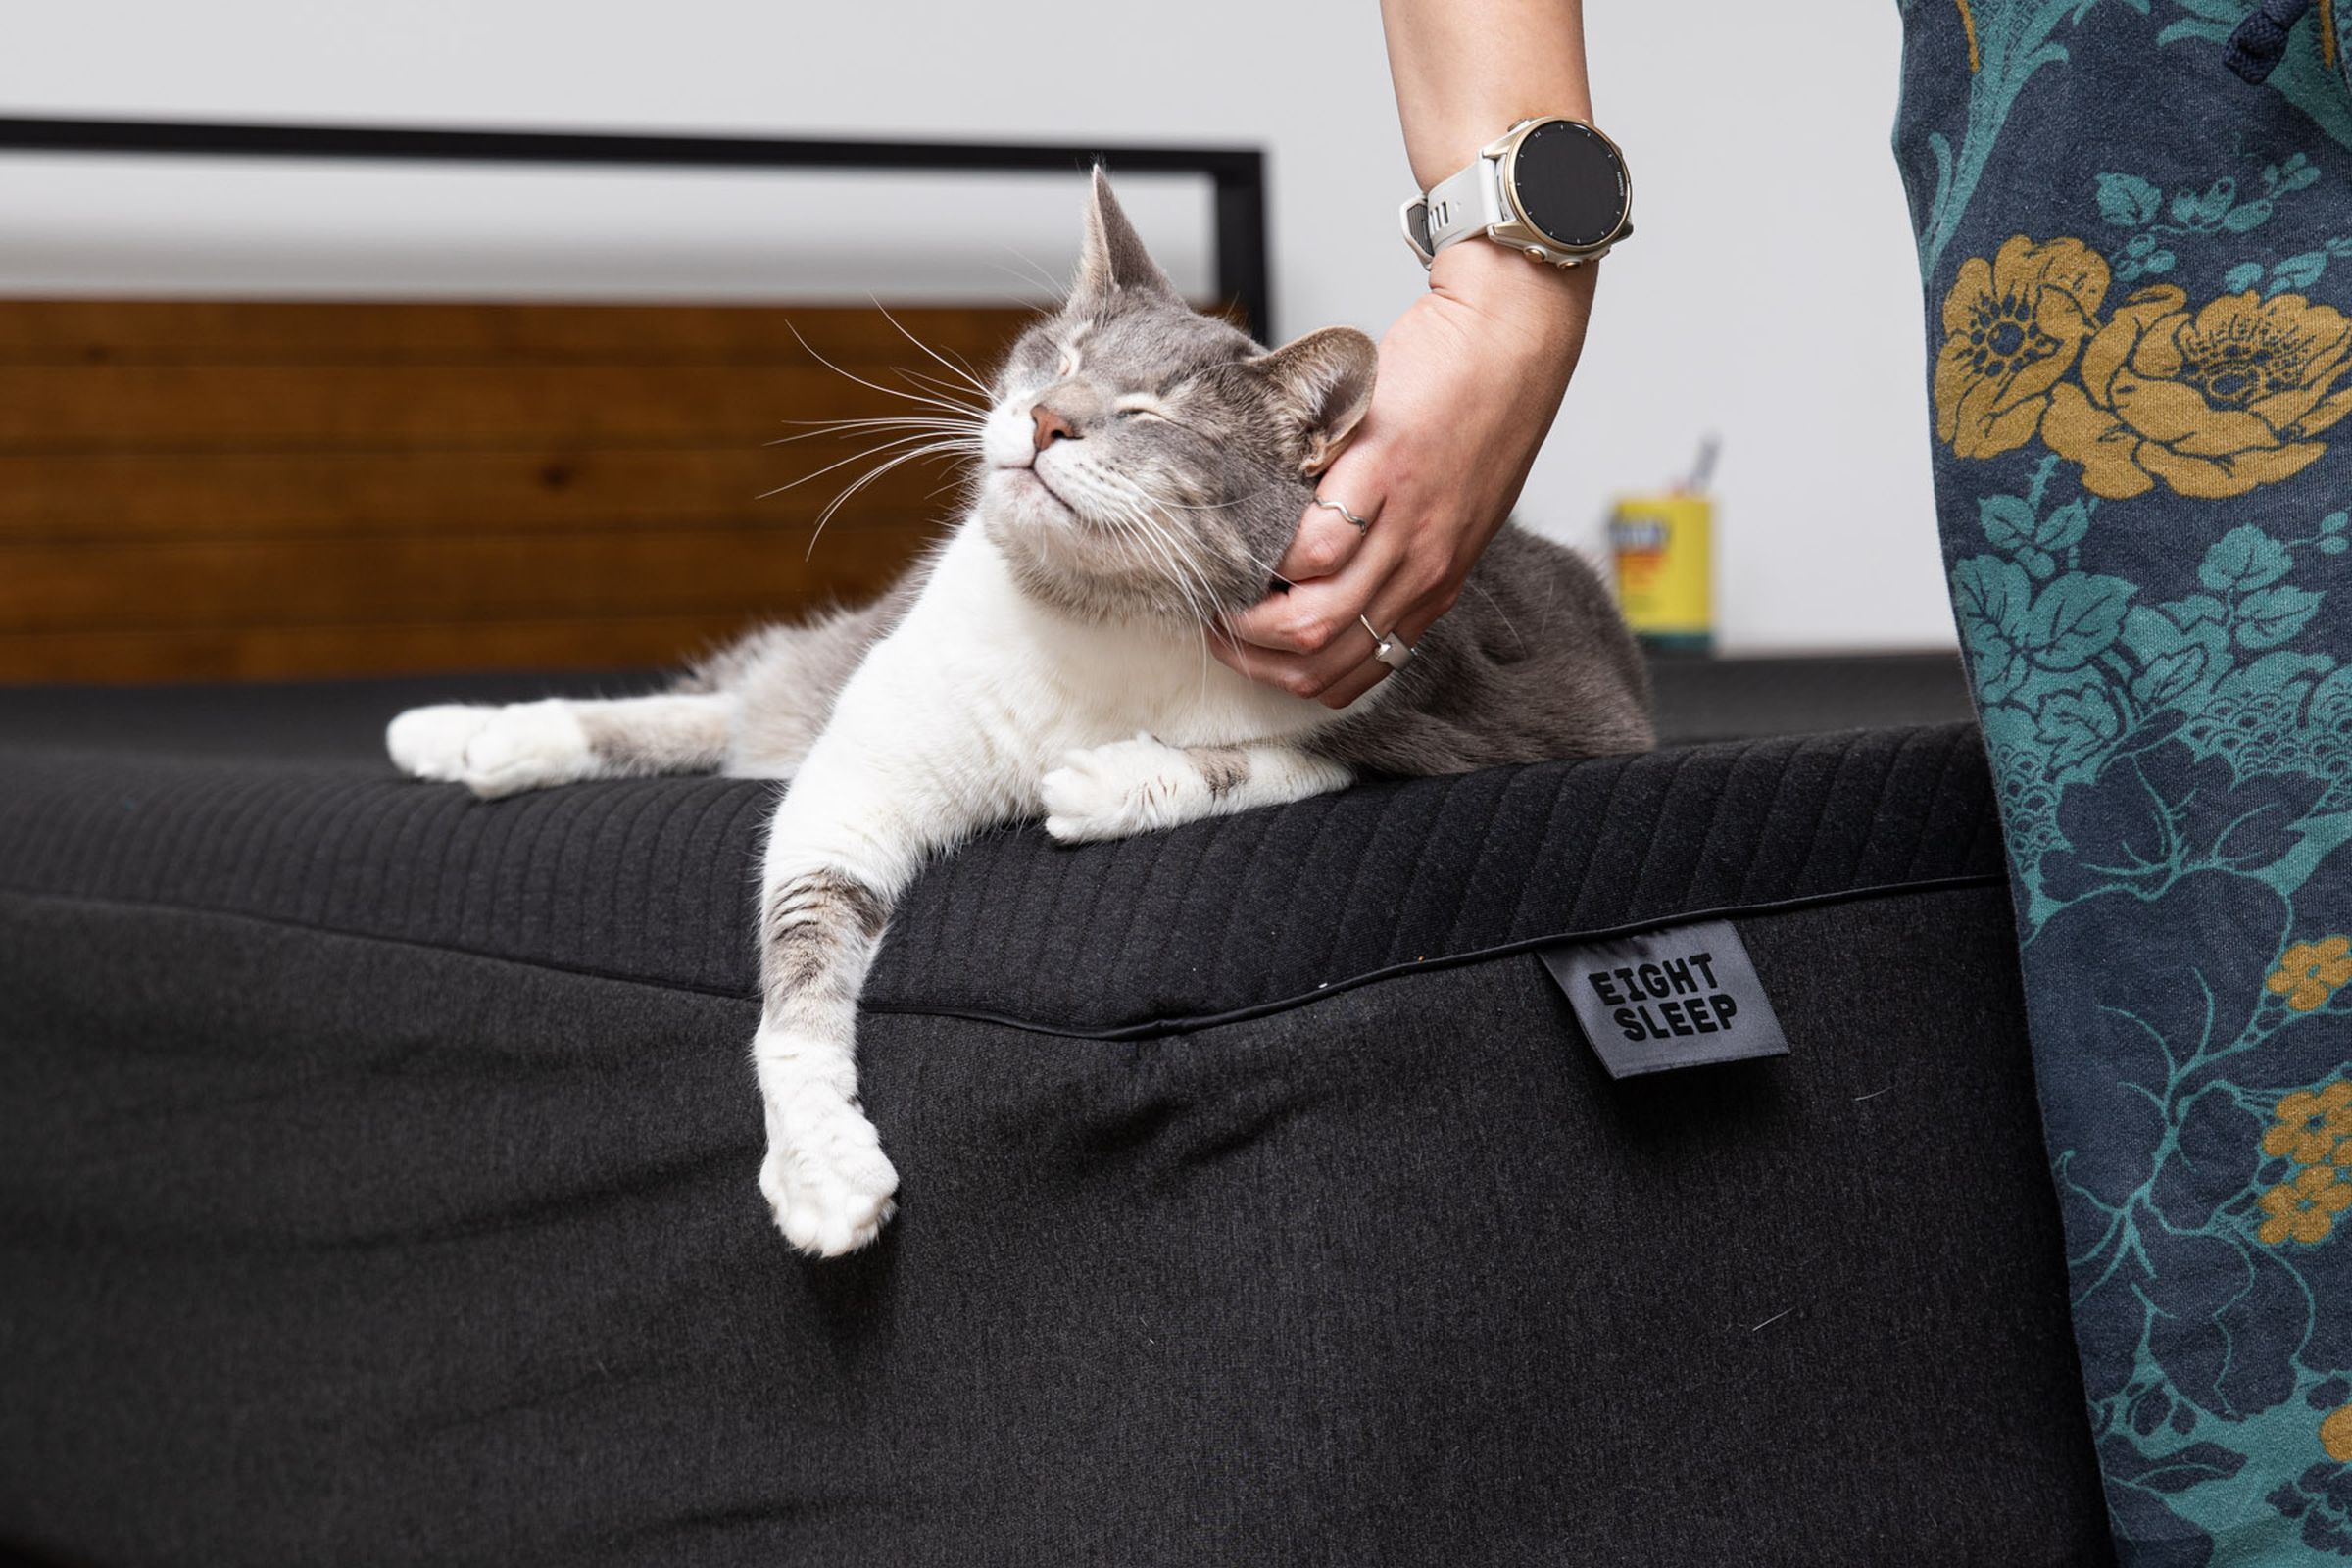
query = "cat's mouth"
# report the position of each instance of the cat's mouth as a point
(1017, 477)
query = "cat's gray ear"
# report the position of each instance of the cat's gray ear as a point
(1324, 382)
(1113, 260)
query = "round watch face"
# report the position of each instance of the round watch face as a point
(1569, 182)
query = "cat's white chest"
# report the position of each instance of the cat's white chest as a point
(1109, 682)
(1034, 685)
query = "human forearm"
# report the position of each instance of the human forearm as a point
(1470, 375)
(1467, 69)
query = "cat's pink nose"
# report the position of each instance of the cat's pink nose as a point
(1051, 427)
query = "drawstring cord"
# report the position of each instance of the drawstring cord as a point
(2255, 49)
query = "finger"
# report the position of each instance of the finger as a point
(1259, 664)
(1355, 683)
(1408, 600)
(1351, 683)
(1313, 640)
(1317, 673)
(1339, 673)
(1309, 675)
(1290, 673)
(1413, 622)
(1324, 542)
(1325, 539)
(1309, 616)
(1411, 625)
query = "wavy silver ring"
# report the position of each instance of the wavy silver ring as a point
(1362, 524)
(1388, 650)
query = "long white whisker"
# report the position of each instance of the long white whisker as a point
(944, 388)
(1140, 525)
(868, 477)
(1508, 624)
(1136, 504)
(876, 386)
(1120, 516)
(854, 457)
(893, 423)
(1221, 620)
(964, 372)
(1053, 285)
(1137, 527)
(1210, 505)
(1199, 607)
(1269, 567)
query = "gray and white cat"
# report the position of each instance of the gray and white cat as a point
(1144, 466)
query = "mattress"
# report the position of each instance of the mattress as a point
(380, 1186)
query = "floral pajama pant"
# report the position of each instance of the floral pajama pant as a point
(2138, 272)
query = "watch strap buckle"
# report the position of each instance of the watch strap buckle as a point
(1413, 219)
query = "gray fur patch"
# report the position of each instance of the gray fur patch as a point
(786, 678)
(815, 933)
(1532, 663)
(1223, 768)
(641, 737)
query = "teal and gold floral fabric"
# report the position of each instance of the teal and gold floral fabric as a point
(2138, 274)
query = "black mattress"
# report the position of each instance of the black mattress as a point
(380, 1182)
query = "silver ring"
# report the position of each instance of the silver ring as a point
(1389, 651)
(1362, 524)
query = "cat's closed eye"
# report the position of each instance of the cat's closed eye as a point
(1143, 406)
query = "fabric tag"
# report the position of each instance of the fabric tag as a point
(1683, 997)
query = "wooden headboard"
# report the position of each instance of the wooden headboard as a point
(210, 490)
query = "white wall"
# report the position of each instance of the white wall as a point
(1780, 311)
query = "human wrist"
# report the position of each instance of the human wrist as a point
(1551, 303)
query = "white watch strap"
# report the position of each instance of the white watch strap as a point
(1466, 203)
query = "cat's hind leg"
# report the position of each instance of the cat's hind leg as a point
(1142, 785)
(497, 750)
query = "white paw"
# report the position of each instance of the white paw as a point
(1124, 788)
(526, 746)
(430, 742)
(826, 1175)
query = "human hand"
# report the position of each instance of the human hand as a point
(1470, 377)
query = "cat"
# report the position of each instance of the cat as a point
(1144, 464)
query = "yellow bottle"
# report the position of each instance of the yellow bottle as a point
(1662, 545)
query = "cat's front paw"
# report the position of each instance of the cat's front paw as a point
(492, 751)
(1114, 791)
(825, 1176)
(430, 742)
(526, 746)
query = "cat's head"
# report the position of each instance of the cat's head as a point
(1143, 458)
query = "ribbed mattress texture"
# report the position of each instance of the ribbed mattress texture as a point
(654, 880)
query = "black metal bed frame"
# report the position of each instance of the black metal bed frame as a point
(1236, 174)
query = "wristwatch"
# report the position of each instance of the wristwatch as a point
(1554, 188)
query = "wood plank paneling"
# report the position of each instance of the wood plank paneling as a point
(83, 408)
(274, 332)
(115, 496)
(293, 653)
(456, 578)
(231, 489)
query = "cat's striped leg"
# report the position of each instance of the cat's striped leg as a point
(847, 838)
(499, 751)
(1142, 785)
(826, 1175)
